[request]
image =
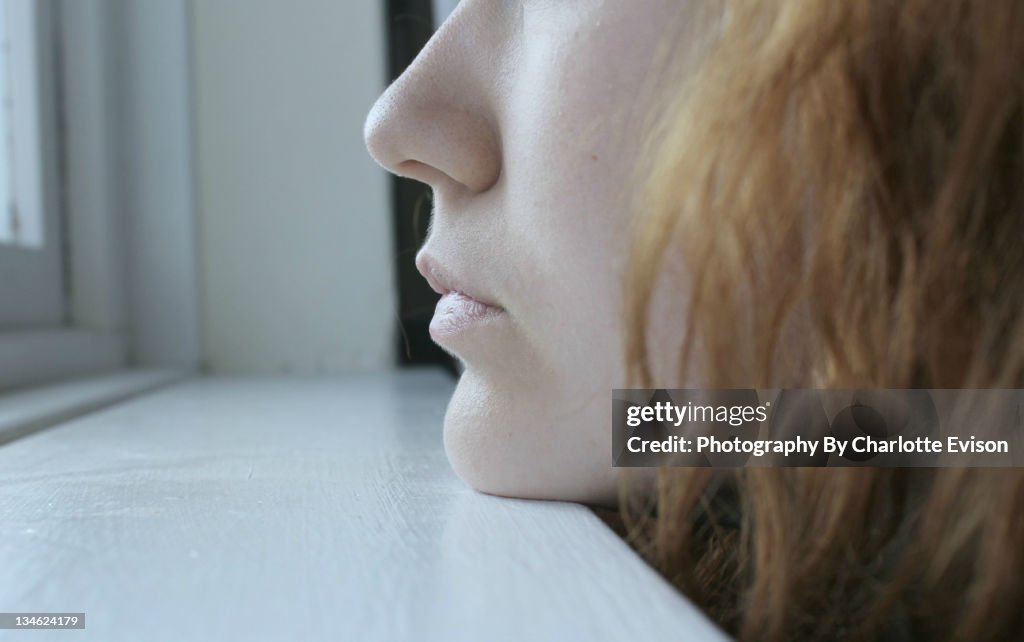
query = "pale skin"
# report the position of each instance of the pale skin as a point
(522, 117)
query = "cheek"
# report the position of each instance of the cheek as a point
(567, 212)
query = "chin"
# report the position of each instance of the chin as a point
(496, 445)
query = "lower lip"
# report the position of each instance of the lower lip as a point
(457, 312)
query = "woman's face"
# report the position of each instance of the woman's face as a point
(522, 116)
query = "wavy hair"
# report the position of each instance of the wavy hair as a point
(844, 182)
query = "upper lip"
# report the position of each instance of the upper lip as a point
(442, 281)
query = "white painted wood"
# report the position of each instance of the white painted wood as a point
(303, 509)
(28, 411)
(35, 356)
(96, 224)
(125, 85)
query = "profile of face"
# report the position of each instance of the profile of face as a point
(522, 116)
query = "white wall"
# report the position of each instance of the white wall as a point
(442, 9)
(294, 216)
(157, 191)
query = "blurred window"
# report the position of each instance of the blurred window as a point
(30, 254)
(10, 225)
(20, 153)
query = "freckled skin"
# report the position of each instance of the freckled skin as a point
(522, 117)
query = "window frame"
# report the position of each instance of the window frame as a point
(130, 298)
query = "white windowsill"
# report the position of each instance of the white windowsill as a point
(26, 411)
(227, 508)
(29, 357)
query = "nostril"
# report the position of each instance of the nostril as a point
(422, 172)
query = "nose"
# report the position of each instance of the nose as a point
(435, 123)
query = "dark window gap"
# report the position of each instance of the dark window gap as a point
(410, 23)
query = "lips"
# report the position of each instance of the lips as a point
(461, 306)
(457, 312)
(444, 282)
